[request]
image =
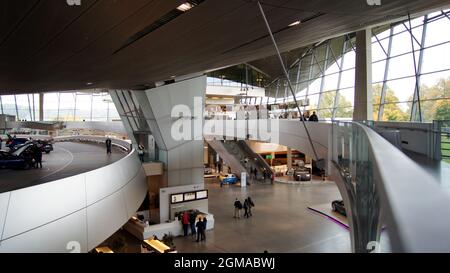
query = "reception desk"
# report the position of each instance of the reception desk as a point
(143, 231)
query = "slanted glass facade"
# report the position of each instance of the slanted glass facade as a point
(411, 73)
(92, 105)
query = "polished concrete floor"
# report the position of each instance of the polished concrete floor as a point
(67, 159)
(281, 221)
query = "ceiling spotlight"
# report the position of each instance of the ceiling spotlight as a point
(185, 7)
(89, 83)
(296, 23)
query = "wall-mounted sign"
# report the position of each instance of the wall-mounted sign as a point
(189, 196)
(177, 198)
(201, 194)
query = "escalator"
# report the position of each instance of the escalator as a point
(240, 157)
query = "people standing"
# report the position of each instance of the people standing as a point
(185, 222)
(199, 226)
(192, 218)
(237, 208)
(108, 143)
(204, 224)
(314, 117)
(37, 156)
(141, 152)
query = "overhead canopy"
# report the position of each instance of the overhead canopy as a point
(50, 45)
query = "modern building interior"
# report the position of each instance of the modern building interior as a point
(238, 126)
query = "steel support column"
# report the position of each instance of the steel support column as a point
(416, 110)
(386, 74)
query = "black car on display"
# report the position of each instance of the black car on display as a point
(45, 146)
(302, 174)
(338, 206)
(22, 160)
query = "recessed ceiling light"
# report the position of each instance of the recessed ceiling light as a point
(296, 23)
(89, 83)
(185, 7)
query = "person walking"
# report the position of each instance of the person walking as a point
(204, 224)
(185, 222)
(246, 207)
(108, 143)
(199, 226)
(192, 218)
(141, 152)
(237, 208)
(250, 204)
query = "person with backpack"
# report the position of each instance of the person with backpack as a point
(237, 208)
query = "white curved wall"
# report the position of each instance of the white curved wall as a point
(86, 208)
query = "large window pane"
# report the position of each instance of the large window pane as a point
(51, 106)
(400, 90)
(378, 71)
(346, 97)
(83, 107)
(401, 66)
(438, 32)
(9, 105)
(435, 86)
(436, 58)
(327, 100)
(331, 82)
(435, 110)
(348, 78)
(396, 112)
(344, 113)
(23, 107)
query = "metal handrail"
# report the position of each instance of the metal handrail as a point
(414, 207)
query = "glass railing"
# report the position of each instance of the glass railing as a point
(351, 155)
(376, 179)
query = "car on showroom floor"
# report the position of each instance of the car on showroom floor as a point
(14, 161)
(228, 178)
(302, 174)
(339, 207)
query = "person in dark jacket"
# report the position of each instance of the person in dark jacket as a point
(237, 208)
(246, 207)
(250, 204)
(108, 143)
(37, 156)
(314, 117)
(192, 218)
(199, 226)
(203, 234)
